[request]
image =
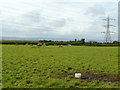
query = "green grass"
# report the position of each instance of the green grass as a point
(41, 67)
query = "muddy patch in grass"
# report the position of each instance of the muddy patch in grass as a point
(89, 76)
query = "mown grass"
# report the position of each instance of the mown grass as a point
(41, 67)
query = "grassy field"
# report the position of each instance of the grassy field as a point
(54, 67)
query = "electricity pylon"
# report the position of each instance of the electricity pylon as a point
(108, 32)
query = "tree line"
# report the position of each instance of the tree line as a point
(50, 42)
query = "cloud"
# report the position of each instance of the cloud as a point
(96, 10)
(58, 23)
(30, 17)
(55, 20)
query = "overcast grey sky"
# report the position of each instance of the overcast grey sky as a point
(56, 20)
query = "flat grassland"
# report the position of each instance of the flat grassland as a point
(54, 67)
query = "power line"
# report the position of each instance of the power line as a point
(108, 32)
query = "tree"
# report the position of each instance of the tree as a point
(115, 42)
(83, 41)
(75, 40)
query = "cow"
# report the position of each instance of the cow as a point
(60, 45)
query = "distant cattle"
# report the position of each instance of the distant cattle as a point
(60, 45)
(34, 45)
(26, 44)
(69, 45)
(39, 44)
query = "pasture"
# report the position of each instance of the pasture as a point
(54, 67)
